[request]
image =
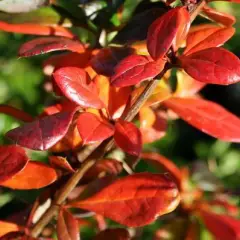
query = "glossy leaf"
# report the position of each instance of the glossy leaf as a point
(212, 65)
(35, 29)
(219, 17)
(49, 44)
(207, 37)
(208, 117)
(113, 233)
(135, 69)
(221, 226)
(163, 31)
(13, 159)
(76, 85)
(60, 163)
(67, 226)
(147, 117)
(92, 129)
(6, 227)
(159, 160)
(43, 133)
(32, 177)
(136, 199)
(128, 137)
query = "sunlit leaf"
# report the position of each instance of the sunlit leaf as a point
(135, 69)
(43, 133)
(212, 65)
(35, 175)
(136, 199)
(128, 137)
(76, 85)
(6, 227)
(49, 44)
(208, 117)
(92, 129)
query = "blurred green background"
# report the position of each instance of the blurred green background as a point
(21, 85)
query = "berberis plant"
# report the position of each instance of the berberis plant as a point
(113, 95)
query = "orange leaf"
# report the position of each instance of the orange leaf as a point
(219, 17)
(35, 175)
(6, 227)
(61, 163)
(135, 200)
(160, 161)
(35, 29)
(67, 226)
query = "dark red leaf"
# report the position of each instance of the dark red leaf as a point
(221, 226)
(106, 59)
(35, 175)
(207, 37)
(128, 137)
(76, 85)
(135, 200)
(163, 31)
(219, 17)
(49, 44)
(92, 129)
(13, 159)
(36, 29)
(114, 234)
(67, 226)
(212, 65)
(208, 117)
(43, 133)
(135, 69)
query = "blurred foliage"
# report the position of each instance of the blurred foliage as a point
(21, 85)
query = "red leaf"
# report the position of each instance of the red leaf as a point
(35, 29)
(35, 175)
(212, 65)
(208, 117)
(207, 37)
(159, 160)
(60, 163)
(92, 129)
(135, 200)
(221, 226)
(43, 133)
(67, 226)
(13, 159)
(219, 17)
(135, 69)
(6, 227)
(163, 31)
(128, 137)
(76, 85)
(49, 44)
(114, 233)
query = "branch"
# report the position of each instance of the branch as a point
(100, 149)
